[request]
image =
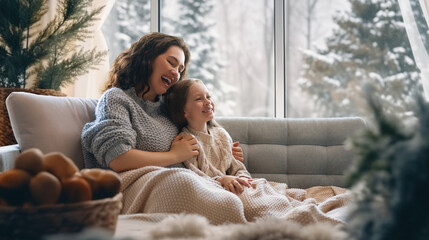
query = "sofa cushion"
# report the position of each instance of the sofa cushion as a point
(52, 124)
(303, 152)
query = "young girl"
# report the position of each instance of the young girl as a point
(191, 109)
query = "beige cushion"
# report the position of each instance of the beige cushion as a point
(52, 124)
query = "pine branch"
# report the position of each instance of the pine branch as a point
(22, 47)
(34, 13)
(372, 143)
(391, 178)
(16, 18)
(70, 25)
(61, 71)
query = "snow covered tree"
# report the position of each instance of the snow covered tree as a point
(369, 45)
(133, 20)
(128, 21)
(192, 23)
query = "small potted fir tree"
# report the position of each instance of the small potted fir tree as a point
(47, 55)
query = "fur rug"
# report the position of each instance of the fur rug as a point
(196, 227)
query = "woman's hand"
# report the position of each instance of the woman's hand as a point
(233, 184)
(237, 152)
(183, 148)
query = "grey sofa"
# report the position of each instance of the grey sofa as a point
(300, 152)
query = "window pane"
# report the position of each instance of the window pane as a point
(126, 23)
(336, 46)
(231, 44)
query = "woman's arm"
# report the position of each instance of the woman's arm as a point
(237, 152)
(237, 167)
(182, 149)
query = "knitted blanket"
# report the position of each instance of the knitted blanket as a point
(159, 190)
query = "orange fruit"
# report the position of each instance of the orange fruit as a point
(45, 188)
(59, 165)
(31, 160)
(76, 189)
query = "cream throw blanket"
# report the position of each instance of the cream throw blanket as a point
(179, 190)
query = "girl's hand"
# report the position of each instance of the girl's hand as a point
(237, 152)
(184, 148)
(233, 184)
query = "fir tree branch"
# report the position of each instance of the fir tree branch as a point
(51, 49)
(61, 71)
(69, 25)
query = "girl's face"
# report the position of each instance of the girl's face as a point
(199, 107)
(167, 68)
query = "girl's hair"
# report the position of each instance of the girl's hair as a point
(133, 67)
(175, 101)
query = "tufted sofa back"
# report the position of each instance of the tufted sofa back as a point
(301, 152)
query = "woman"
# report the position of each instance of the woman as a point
(132, 135)
(131, 130)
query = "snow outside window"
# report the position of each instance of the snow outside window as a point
(331, 49)
(412, 12)
(366, 43)
(127, 22)
(232, 50)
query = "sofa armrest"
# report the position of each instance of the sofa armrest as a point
(8, 154)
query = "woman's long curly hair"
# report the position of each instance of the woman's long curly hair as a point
(133, 67)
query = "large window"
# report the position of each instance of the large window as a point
(127, 22)
(308, 24)
(366, 43)
(232, 46)
(294, 58)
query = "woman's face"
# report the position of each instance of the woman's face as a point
(166, 71)
(199, 107)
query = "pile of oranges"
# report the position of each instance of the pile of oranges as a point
(39, 179)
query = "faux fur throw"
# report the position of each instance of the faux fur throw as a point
(196, 227)
(162, 190)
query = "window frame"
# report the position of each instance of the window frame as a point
(280, 100)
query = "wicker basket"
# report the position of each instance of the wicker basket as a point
(36, 222)
(6, 134)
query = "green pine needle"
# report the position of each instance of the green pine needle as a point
(23, 48)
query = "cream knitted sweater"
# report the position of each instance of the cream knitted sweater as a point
(215, 157)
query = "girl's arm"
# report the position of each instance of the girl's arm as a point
(182, 148)
(192, 164)
(233, 184)
(238, 169)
